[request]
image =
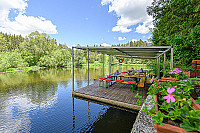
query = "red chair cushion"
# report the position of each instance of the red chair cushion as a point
(132, 82)
(109, 80)
(109, 77)
(124, 72)
(103, 78)
(119, 80)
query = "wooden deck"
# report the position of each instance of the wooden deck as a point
(120, 95)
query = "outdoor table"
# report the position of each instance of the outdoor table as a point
(120, 76)
(114, 77)
(134, 76)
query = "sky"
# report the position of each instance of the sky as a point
(84, 22)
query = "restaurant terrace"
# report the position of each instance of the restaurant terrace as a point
(119, 94)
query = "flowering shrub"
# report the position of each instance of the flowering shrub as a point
(175, 73)
(174, 103)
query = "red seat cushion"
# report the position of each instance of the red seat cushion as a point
(119, 80)
(109, 77)
(132, 82)
(109, 80)
(124, 72)
(102, 78)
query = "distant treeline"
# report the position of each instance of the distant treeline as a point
(38, 49)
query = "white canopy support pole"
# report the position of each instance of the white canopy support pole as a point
(103, 64)
(164, 63)
(171, 66)
(72, 69)
(88, 68)
(159, 67)
(156, 67)
(109, 64)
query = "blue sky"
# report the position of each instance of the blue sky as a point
(84, 22)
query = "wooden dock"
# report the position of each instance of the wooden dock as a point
(119, 95)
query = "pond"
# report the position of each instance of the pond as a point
(41, 101)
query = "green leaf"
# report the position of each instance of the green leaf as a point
(197, 101)
(187, 125)
(158, 118)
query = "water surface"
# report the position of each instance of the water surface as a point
(41, 101)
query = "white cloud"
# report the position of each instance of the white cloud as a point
(22, 24)
(121, 38)
(134, 40)
(105, 45)
(129, 12)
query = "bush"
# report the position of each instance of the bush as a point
(11, 60)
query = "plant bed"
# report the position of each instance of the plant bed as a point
(169, 126)
(173, 106)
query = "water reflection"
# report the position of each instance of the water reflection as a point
(41, 101)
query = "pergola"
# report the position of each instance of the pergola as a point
(148, 52)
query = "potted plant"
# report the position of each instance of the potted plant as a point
(174, 74)
(174, 109)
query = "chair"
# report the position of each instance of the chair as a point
(141, 84)
(196, 65)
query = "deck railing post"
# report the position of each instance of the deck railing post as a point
(72, 69)
(88, 67)
(171, 66)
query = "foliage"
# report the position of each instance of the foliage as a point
(11, 60)
(39, 49)
(35, 49)
(174, 103)
(58, 58)
(176, 23)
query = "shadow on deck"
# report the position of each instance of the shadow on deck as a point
(119, 95)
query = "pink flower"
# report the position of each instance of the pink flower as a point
(152, 79)
(170, 97)
(170, 72)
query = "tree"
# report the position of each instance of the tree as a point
(176, 24)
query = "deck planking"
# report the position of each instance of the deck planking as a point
(115, 95)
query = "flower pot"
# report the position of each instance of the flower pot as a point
(164, 79)
(172, 79)
(190, 74)
(167, 128)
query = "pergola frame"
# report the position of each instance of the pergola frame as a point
(149, 52)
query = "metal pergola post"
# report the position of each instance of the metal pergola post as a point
(159, 67)
(103, 64)
(171, 66)
(164, 63)
(72, 69)
(156, 67)
(109, 64)
(120, 69)
(88, 67)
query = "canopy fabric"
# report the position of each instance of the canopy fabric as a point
(148, 52)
